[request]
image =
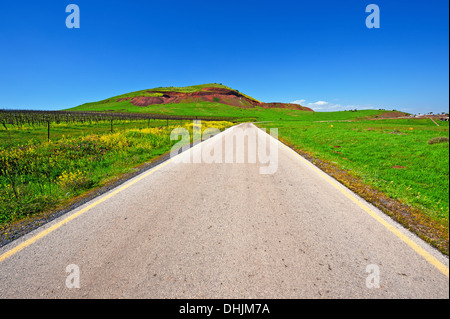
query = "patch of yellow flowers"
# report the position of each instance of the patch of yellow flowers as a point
(68, 179)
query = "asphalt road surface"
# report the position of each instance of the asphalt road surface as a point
(224, 230)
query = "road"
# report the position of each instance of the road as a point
(224, 230)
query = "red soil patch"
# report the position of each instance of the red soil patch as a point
(392, 114)
(218, 95)
(147, 100)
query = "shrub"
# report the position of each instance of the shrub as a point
(437, 140)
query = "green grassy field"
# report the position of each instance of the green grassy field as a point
(185, 109)
(18, 136)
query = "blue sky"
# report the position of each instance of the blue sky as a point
(319, 53)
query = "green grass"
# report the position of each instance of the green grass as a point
(18, 136)
(192, 88)
(185, 109)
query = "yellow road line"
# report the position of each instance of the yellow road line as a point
(431, 259)
(47, 231)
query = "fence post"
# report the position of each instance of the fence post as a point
(48, 130)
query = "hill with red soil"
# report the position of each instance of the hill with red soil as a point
(210, 100)
(207, 94)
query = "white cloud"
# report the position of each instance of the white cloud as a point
(329, 106)
(301, 102)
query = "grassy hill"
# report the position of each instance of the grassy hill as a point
(189, 102)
